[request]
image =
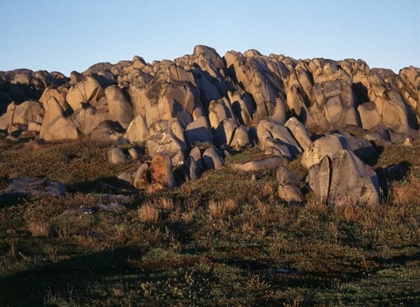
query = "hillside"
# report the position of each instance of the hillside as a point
(235, 180)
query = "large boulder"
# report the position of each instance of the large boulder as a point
(198, 131)
(359, 185)
(272, 135)
(137, 131)
(120, 108)
(56, 126)
(299, 132)
(87, 90)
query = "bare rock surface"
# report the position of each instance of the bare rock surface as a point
(36, 187)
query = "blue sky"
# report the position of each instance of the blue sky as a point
(64, 35)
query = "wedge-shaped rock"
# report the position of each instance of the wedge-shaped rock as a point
(191, 170)
(299, 132)
(240, 138)
(55, 125)
(319, 179)
(120, 108)
(224, 132)
(137, 131)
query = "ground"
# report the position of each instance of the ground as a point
(223, 240)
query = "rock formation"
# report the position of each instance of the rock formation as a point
(232, 101)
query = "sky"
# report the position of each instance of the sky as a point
(67, 35)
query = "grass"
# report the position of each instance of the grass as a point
(223, 240)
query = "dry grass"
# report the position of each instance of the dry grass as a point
(39, 229)
(406, 192)
(350, 213)
(267, 190)
(148, 213)
(165, 203)
(221, 209)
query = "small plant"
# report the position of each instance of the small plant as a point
(148, 213)
(221, 209)
(39, 229)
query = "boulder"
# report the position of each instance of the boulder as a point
(163, 98)
(198, 131)
(161, 172)
(299, 132)
(29, 111)
(87, 119)
(285, 176)
(141, 177)
(290, 193)
(273, 135)
(359, 186)
(135, 152)
(55, 125)
(126, 177)
(289, 183)
(224, 132)
(116, 156)
(107, 130)
(120, 108)
(195, 153)
(6, 119)
(327, 145)
(191, 170)
(167, 142)
(379, 134)
(240, 138)
(87, 90)
(211, 159)
(137, 131)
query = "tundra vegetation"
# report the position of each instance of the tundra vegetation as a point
(223, 239)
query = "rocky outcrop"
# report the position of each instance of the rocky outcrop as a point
(285, 106)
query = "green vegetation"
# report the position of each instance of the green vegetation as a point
(223, 240)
